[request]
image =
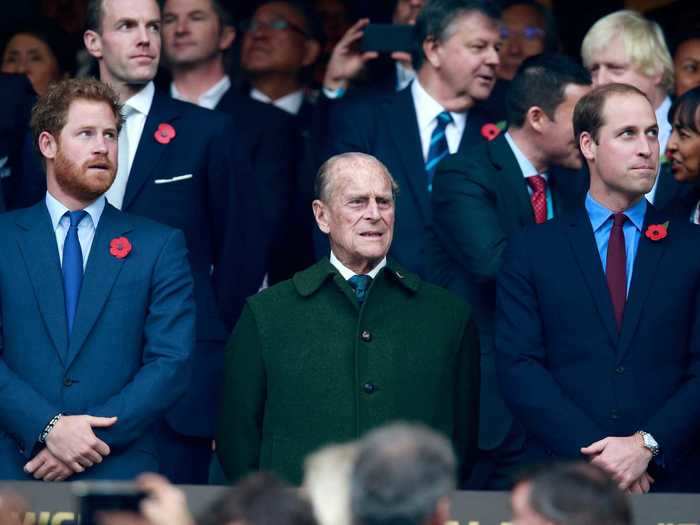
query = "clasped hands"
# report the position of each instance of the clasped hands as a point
(625, 459)
(71, 447)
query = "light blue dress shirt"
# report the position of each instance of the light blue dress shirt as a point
(528, 171)
(86, 228)
(602, 220)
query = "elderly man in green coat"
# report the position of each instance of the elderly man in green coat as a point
(349, 344)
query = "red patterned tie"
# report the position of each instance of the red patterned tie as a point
(539, 197)
(616, 267)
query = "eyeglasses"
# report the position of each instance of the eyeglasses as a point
(275, 24)
(527, 33)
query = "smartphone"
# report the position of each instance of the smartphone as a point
(104, 496)
(386, 38)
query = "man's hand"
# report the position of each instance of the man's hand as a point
(74, 443)
(347, 60)
(624, 458)
(642, 485)
(48, 467)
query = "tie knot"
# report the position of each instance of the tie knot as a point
(360, 283)
(443, 119)
(537, 183)
(619, 220)
(75, 217)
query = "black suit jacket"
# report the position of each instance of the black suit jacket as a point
(480, 199)
(218, 212)
(568, 375)
(387, 128)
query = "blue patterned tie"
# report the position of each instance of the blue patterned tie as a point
(360, 283)
(438, 149)
(72, 266)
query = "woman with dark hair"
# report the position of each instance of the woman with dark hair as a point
(683, 150)
(686, 62)
(40, 51)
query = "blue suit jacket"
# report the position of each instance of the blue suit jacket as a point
(564, 370)
(387, 127)
(128, 355)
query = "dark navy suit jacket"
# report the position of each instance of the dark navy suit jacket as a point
(387, 127)
(567, 374)
(127, 356)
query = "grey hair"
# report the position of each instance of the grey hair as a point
(323, 186)
(401, 473)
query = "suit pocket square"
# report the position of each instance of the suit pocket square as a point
(174, 179)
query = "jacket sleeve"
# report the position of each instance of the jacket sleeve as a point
(168, 342)
(240, 422)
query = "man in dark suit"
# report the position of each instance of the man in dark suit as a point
(181, 165)
(196, 36)
(484, 195)
(597, 314)
(334, 351)
(414, 129)
(102, 300)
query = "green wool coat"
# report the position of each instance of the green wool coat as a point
(307, 366)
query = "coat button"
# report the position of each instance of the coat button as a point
(620, 370)
(614, 414)
(366, 336)
(67, 381)
(369, 388)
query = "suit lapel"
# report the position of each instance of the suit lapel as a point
(505, 162)
(40, 253)
(645, 268)
(100, 274)
(149, 150)
(403, 125)
(586, 253)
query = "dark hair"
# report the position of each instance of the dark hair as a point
(57, 40)
(50, 112)
(684, 110)
(259, 499)
(541, 81)
(588, 113)
(682, 38)
(551, 32)
(577, 494)
(93, 16)
(312, 21)
(437, 16)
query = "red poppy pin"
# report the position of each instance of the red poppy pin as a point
(490, 130)
(656, 232)
(165, 133)
(119, 247)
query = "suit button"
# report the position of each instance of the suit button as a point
(366, 336)
(67, 381)
(620, 370)
(369, 388)
(614, 414)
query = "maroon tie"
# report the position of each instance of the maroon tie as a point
(616, 267)
(538, 197)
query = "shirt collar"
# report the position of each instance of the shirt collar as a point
(427, 108)
(210, 98)
(665, 127)
(599, 214)
(142, 100)
(526, 166)
(57, 210)
(290, 103)
(404, 75)
(347, 273)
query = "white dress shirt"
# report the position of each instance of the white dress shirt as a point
(139, 106)
(529, 170)
(427, 111)
(210, 98)
(347, 273)
(404, 75)
(86, 227)
(290, 103)
(665, 130)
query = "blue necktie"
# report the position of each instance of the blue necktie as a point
(72, 266)
(360, 283)
(438, 149)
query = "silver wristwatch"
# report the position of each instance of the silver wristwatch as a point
(649, 442)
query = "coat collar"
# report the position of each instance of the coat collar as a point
(309, 281)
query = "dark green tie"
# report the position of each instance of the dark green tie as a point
(360, 283)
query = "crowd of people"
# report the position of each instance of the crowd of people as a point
(229, 243)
